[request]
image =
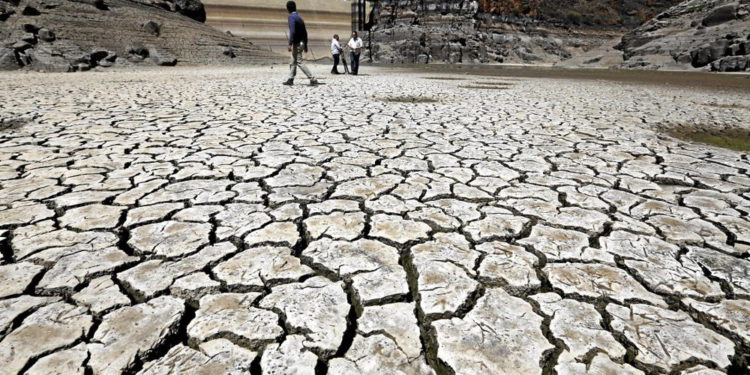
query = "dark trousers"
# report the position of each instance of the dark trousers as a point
(335, 69)
(355, 62)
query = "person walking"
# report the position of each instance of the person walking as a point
(297, 45)
(336, 52)
(355, 45)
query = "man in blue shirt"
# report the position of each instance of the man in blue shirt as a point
(297, 45)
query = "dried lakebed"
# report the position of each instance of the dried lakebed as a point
(213, 221)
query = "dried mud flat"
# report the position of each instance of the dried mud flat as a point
(216, 222)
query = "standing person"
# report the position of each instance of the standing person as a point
(297, 45)
(336, 52)
(356, 45)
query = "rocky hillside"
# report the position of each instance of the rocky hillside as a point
(418, 31)
(70, 35)
(709, 34)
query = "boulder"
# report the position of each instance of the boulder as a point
(30, 11)
(48, 60)
(720, 15)
(21, 46)
(152, 28)
(191, 8)
(731, 64)
(162, 58)
(706, 54)
(46, 35)
(28, 38)
(8, 60)
(102, 57)
(5, 13)
(137, 51)
(30, 28)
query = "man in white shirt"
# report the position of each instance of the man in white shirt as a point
(336, 52)
(355, 45)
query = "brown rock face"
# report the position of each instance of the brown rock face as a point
(62, 35)
(500, 30)
(578, 13)
(710, 34)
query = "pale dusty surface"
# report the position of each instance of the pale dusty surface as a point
(199, 221)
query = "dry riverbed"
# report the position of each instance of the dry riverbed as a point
(210, 221)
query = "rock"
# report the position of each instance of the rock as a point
(191, 8)
(317, 307)
(30, 11)
(118, 343)
(5, 13)
(152, 28)
(290, 357)
(256, 268)
(46, 35)
(101, 295)
(731, 64)
(372, 267)
(229, 52)
(597, 281)
(28, 38)
(16, 277)
(169, 238)
(500, 335)
(49, 60)
(162, 58)
(138, 51)
(60, 323)
(231, 315)
(720, 15)
(65, 362)
(8, 60)
(666, 338)
(703, 29)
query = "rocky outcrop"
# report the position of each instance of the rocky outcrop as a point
(537, 31)
(707, 34)
(78, 35)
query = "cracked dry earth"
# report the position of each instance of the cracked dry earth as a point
(203, 221)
